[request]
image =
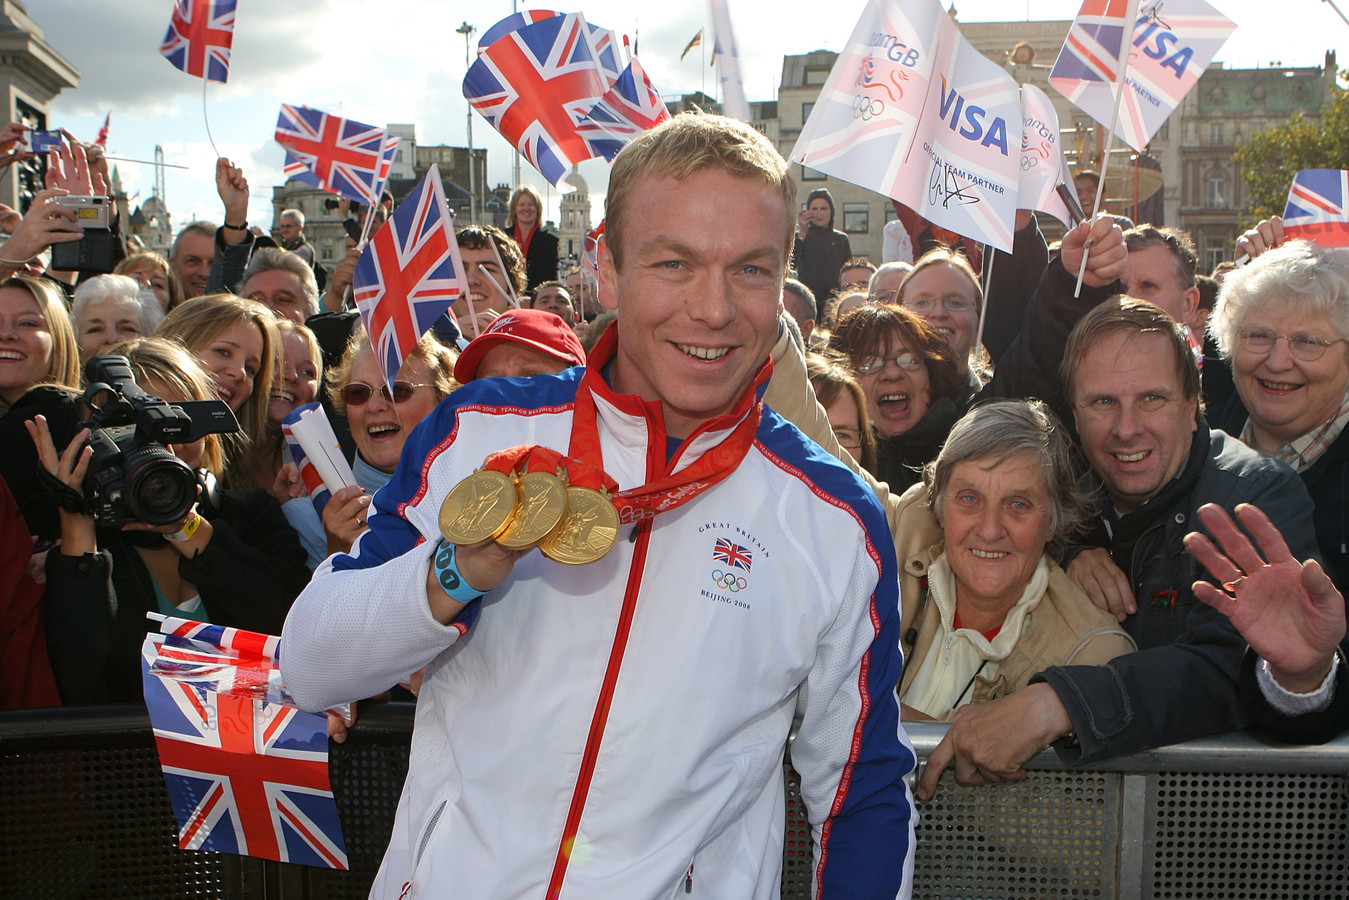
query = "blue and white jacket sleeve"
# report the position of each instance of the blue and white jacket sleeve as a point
(851, 753)
(363, 624)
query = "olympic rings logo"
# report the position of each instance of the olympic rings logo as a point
(866, 108)
(728, 581)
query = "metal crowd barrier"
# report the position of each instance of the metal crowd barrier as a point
(84, 813)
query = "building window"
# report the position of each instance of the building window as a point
(890, 214)
(1215, 132)
(856, 218)
(812, 175)
(805, 110)
(1213, 255)
(1217, 190)
(817, 76)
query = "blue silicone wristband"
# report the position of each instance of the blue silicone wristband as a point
(448, 577)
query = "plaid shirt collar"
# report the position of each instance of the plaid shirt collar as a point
(1303, 452)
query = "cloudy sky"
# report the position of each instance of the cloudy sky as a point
(382, 61)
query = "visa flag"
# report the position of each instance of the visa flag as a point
(244, 776)
(199, 38)
(1316, 207)
(339, 155)
(1042, 158)
(632, 105)
(1171, 43)
(536, 84)
(911, 110)
(409, 275)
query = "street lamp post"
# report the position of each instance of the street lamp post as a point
(467, 31)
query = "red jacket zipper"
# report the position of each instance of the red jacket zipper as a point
(597, 724)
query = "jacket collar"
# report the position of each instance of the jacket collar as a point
(638, 422)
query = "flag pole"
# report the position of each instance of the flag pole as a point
(1126, 41)
(989, 253)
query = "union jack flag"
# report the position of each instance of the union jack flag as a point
(244, 776)
(1091, 50)
(629, 107)
(309, 474)
(410, 274)
(535, 84)
(1316, 207)
(513, 22)
(732, 554)
(339, 155)
(199, 38)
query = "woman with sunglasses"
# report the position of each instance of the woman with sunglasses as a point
(1283, 324)
(380, 422)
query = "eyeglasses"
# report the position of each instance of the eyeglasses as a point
(885, 297)
(927, 304)
(848, 439)
(1305, 347)
(905, 360)
(358, 393)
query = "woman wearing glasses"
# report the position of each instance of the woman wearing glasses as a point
(1282, 323)
(380, 422)
(914, 393)
(943, 289)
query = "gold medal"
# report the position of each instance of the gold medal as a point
(587, 531)
(543, 503)
(479, 508)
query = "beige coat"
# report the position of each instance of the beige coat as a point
(1064, 629)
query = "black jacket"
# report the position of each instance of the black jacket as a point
(541, 261)
(819, 259)
(1182, 681)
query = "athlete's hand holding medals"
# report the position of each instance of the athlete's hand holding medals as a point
(522, 498)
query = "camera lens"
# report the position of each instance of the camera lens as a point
(160, 488)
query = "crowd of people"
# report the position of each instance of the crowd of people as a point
(992, 501)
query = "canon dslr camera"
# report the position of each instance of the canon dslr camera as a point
(133, 476)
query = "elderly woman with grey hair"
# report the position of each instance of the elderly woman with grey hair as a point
(110, 309)
(985, 605)
(1283, 323)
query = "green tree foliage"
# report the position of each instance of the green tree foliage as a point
(1271, 158)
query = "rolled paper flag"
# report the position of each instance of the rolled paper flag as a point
(313, 445)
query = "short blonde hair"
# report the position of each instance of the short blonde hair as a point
(64, 365)
(686, 144)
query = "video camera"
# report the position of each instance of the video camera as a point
(133, 476)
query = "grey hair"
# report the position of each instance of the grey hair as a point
(1001, 429)
(199, 227)
(269, 258)
(118, 287)
(1314, 278)
(292, 214)
(886, 269)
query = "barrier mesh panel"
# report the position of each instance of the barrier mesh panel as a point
(1258, 837)
(1053, 835)
(95, 824)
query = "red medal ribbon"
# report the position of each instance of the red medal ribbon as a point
(510, 461)
(669, 490)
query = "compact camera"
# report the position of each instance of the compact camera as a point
(96, 251)
(133, 476)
